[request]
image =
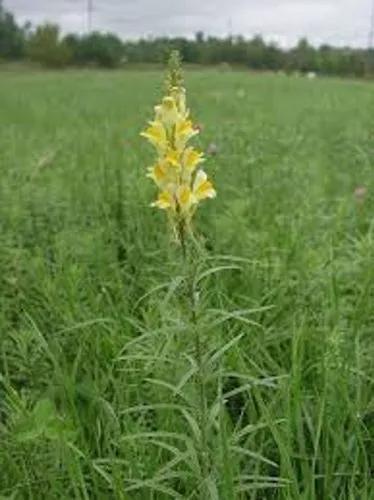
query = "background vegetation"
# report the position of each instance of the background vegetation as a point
(96, 399)
(44, 45)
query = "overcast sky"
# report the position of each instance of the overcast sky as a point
(322, 21)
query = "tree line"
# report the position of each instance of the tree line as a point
(45, 45)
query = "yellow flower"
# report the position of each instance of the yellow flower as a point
(156, 135)
(191, 158)
(173, 157)
(164, 175)
(167, 112)
(158, 173)
(184, 131)
(202, 188)
(179, 96)
(165, 201)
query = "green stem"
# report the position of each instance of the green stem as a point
(203, 410)
(199, 358)
(182, 239)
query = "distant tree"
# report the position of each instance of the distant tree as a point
(73, 44)
(46, 48)
(257, 53)
(199, 37)
(104, 50)
(12, 40)
(274, 57)
(369, 62)
(302, 57)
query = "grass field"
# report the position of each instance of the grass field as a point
(97, 377)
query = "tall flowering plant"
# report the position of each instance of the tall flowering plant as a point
(183, 184)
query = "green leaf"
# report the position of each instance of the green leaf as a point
(44, 412)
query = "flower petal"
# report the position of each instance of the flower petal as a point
(164, 201)
(156, 135)
(173, 157)
(168, 111)
(184, 131)
(203, 188)
(179, 95)
(158, 173)
(191, 158)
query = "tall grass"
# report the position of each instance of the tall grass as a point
(97, 393)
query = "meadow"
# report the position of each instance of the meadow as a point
(97, 392)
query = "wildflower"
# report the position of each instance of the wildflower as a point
(156, 135)
(179, 95)
(184, 131)
(176, 172)
(191, 158)
(167, 112)
(165, 201)
(158, 173)
(202, 188)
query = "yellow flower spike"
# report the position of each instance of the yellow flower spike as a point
(156, 135)
(202, 188)
(191, 158)
(175, 172)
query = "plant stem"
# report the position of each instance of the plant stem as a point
(182, 238)
(199, 358)
(203, 410)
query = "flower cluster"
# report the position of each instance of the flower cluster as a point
(176, 172)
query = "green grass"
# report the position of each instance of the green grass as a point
(97, 383)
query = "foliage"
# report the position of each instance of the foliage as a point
(46, 48)
(96, 399)
(104, 50)
(254, 53)
(11, 36)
